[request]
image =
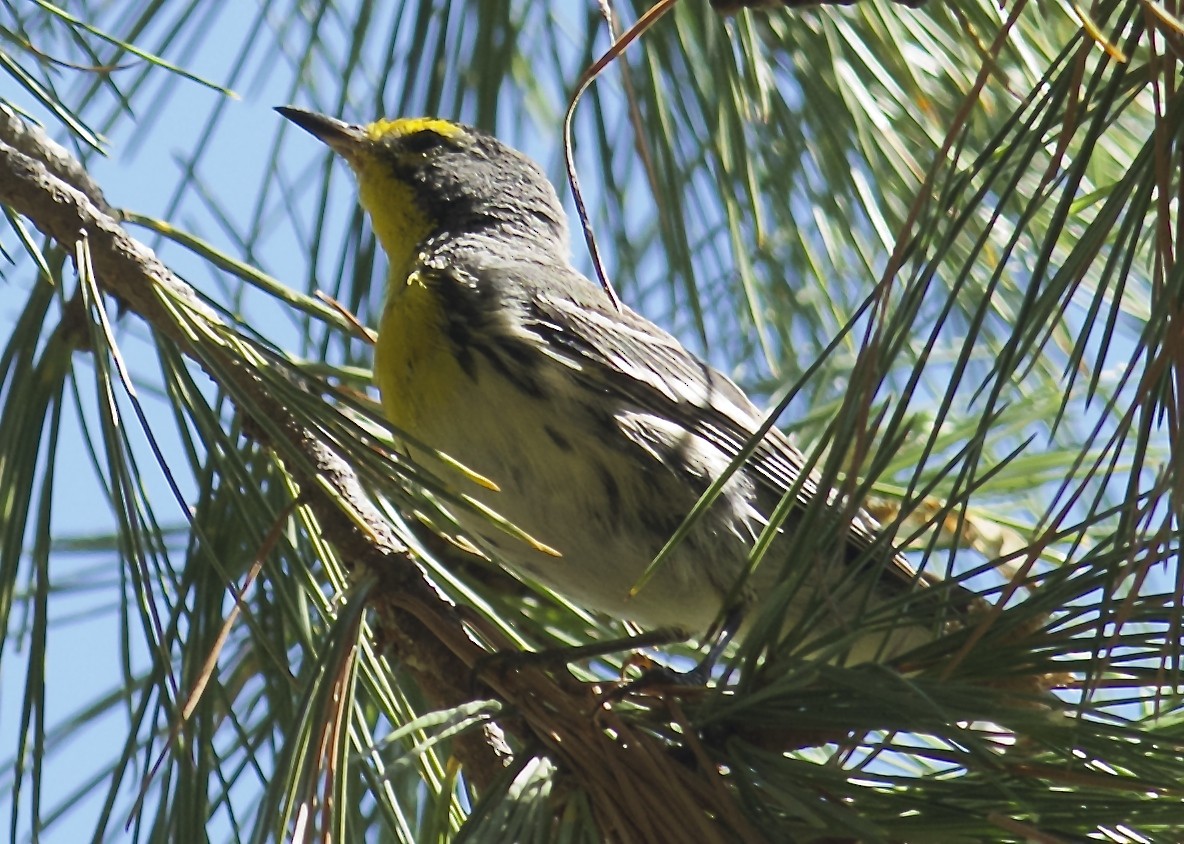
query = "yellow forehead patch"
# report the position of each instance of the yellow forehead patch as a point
(405, 126)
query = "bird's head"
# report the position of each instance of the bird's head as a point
(422, 176)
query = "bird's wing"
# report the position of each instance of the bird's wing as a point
(625, 353)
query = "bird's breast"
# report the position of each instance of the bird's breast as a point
(416, 370)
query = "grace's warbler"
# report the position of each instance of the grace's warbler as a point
(599, 430)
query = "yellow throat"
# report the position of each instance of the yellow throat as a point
(413, 367)
(400, 221)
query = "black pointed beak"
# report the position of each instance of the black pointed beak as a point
(344, 138)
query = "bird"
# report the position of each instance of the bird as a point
(587, 426)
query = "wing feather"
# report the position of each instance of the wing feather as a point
(663, 378)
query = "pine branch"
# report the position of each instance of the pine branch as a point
(50, 197)
(670, 800)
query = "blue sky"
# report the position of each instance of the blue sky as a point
(140, 174)
(145, 159)
(84, 654)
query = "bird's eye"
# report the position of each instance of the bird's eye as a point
(423, 140)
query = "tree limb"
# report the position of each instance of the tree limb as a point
(127, 269)
(636, 789)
